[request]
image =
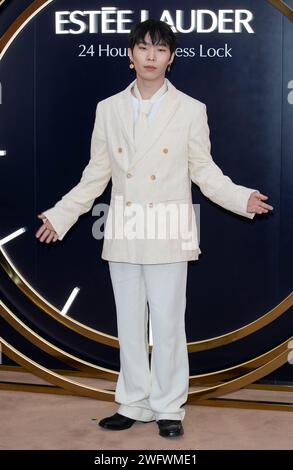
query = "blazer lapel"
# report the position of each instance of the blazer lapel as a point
(157, 124)
(125, 112)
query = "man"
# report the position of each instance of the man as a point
(152, 140)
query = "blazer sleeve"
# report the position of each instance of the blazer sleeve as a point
(204, 172)
(92, 184)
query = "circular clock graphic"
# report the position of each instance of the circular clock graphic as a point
(52, 75)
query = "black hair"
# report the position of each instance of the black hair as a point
(159, 31)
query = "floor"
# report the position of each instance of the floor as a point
(40, 421)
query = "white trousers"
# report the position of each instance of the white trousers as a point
(158, 390)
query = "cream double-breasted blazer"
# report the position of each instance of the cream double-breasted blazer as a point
(151, 180)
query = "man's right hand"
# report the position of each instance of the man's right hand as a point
(46, 232)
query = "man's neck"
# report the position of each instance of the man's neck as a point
(148, 88)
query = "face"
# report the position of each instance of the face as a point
(150, 61)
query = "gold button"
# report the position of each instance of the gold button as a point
(153, 177)
(151, 204)
(128, 203)
(119, 149)
(165, 150)
(129, 175)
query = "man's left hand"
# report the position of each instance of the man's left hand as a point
(256, 205)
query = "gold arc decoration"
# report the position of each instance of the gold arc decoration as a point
(238, 369)
(87, 369)
(91, 370)
(240, 382)
(76, 373)
(48, 308)
(21, 21)
(261, 366)
(109, 395)
(283, 8)
(53, 377)
(109, 340)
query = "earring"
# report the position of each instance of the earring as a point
(131, 65)
(169, 67)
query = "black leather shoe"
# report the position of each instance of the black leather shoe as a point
(170, 427)
(116, 422)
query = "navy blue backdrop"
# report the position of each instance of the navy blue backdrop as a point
(49, 96)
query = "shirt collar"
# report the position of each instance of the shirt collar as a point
(156, 96)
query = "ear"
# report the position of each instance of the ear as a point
(171, 58)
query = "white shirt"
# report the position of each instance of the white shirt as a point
(161, 92)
